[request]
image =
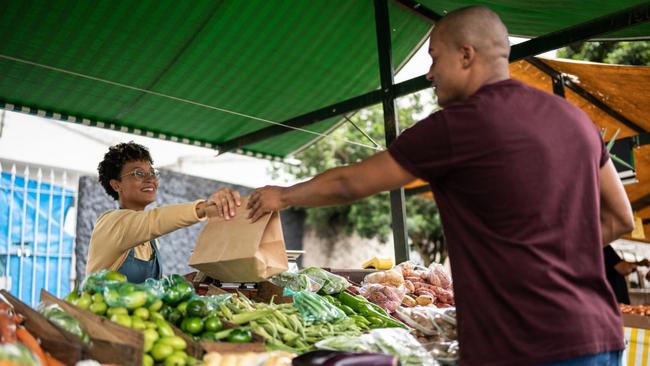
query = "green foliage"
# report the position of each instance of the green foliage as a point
(621, 53)
(371, 217)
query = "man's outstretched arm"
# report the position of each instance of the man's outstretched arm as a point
(333, 187)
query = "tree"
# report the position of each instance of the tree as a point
(371, 217)
(621, 53)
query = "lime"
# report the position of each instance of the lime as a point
(192, 325)
(213, 324)
(160, 351)
(150, 325)
(142, 313)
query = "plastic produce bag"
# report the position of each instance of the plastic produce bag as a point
(314, 308)
(391, 278)
(389, 298)
(96, 281)
(394, 341)
(64, 320)
(18, 354)
(338, 358)
(430, 321)
(296, 281)
(129, 295)
(176, 289)
(331, 283)
(401, 343)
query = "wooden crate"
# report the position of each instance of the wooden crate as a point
(111, 343)
(194, 348)
(52, 339)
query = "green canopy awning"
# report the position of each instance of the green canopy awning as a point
(205, 72)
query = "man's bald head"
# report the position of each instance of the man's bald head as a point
(477, 26)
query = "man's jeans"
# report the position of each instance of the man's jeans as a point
(599, 359)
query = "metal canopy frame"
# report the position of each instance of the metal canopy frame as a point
(390, 91)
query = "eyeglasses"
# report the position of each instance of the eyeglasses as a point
(141, 175)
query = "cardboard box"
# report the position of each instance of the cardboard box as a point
(636, 321)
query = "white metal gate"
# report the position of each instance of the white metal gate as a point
(37, 231)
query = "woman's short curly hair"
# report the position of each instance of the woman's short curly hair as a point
(116, 157)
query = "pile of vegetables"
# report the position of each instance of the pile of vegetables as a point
(106, 293)
(18, 347)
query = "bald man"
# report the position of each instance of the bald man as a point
(527, 195)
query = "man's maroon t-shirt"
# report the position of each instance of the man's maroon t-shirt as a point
(514, 172)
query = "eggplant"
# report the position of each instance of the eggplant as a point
(338, 358)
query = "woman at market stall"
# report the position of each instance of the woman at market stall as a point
(125, 239)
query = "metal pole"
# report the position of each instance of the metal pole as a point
(398, 210)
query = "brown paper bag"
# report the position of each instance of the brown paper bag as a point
(237, 250)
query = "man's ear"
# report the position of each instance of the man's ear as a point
(115, 184)
(468, 54)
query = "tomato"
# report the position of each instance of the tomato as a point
(240, 336)
(213, 324)
(196, 308)
(192, 325)
(185, 290)
(175, 317)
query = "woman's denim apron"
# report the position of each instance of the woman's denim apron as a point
(137, 270)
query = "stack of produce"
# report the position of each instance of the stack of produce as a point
(282, 326)
(18, 347)
(409, 285)
(106, 293)
(275, 358)
(434, 328)
(635, 309)
(394, 341)
(365, 314)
